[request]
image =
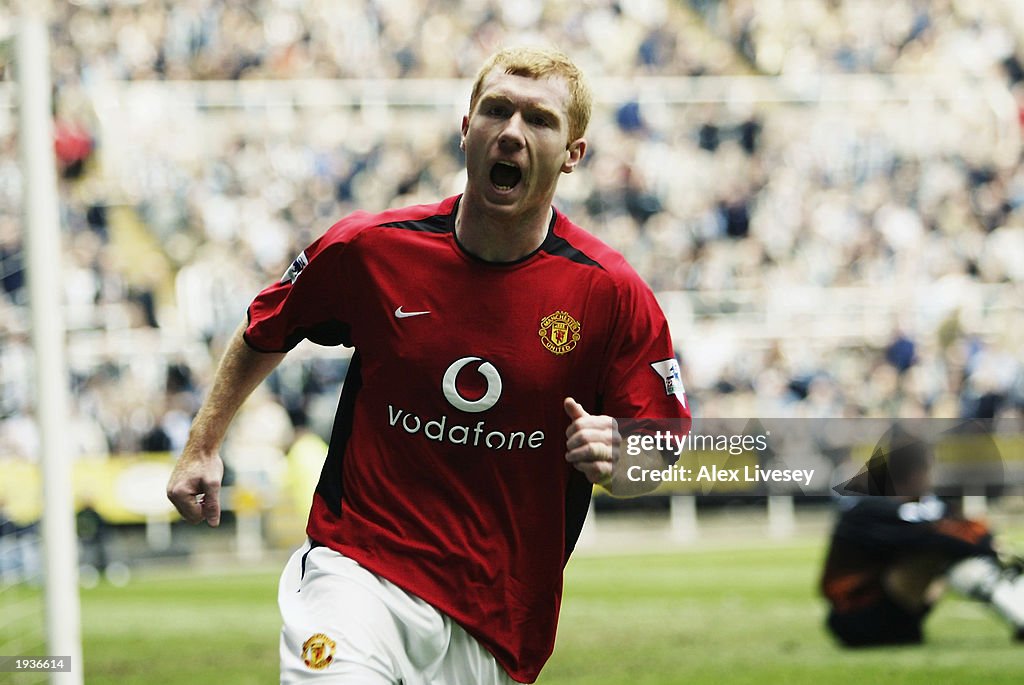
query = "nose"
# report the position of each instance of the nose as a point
(511, 137)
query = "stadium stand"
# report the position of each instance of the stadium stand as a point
(828, 239)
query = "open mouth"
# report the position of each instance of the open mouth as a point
(505, 175)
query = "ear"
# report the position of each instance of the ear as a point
(573, 154)
(465, 129)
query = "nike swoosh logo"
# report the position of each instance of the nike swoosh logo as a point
(399, 314)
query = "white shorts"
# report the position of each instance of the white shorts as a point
(344, 625)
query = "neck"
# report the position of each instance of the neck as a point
(499, 237)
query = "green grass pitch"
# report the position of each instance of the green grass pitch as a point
(694, 617)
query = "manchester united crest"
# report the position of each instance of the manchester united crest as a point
(318, 652)
(559, 332)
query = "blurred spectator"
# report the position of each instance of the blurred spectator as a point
(901, 352)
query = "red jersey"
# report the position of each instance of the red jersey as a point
(446, 472)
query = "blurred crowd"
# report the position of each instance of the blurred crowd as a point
(950, 37)
(908, 209)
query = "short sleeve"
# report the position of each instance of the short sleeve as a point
(643, 378)
(314, 299)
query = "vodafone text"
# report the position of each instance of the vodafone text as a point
(442, 429)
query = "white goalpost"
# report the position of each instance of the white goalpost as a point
(43, 266)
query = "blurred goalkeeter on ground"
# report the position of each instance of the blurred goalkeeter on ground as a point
(741, 198)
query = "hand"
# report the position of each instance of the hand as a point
(194, 488)
(592, 443)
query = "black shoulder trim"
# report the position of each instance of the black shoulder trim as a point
(560, 247)
(439, 223)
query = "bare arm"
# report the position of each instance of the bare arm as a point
(194, 486)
